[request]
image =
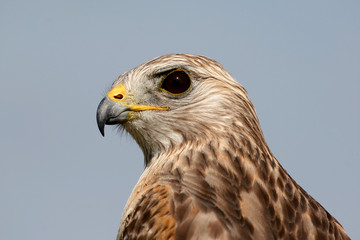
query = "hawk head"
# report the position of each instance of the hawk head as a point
(178, 98)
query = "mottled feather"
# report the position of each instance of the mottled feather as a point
(209, 173)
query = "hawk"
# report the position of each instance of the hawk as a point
(209, 173)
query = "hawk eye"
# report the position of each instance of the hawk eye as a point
(176, 82)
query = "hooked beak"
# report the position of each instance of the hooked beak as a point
(110, 113)
(113, 109)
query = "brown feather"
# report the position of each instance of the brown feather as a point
(209, 172)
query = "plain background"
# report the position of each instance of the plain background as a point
(60, 179)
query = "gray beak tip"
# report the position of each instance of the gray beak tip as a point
(100, 119)
(102, 132)
(110, 113)
(101, 126)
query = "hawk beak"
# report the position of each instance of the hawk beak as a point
(110, 113)
(113, 109)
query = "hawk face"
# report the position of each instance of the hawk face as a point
(210, 173)
(174, 98)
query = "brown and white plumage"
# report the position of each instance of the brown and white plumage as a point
(209, 173)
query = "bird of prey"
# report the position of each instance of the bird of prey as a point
(209, 174)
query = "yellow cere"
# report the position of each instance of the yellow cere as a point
(118, 94)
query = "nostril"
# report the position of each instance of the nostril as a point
(119, 96)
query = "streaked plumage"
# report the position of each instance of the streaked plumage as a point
(209, 173)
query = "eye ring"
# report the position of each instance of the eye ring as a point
(176, 82)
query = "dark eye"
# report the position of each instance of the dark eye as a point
(176, 82)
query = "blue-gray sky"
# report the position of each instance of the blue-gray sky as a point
(59, 179)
